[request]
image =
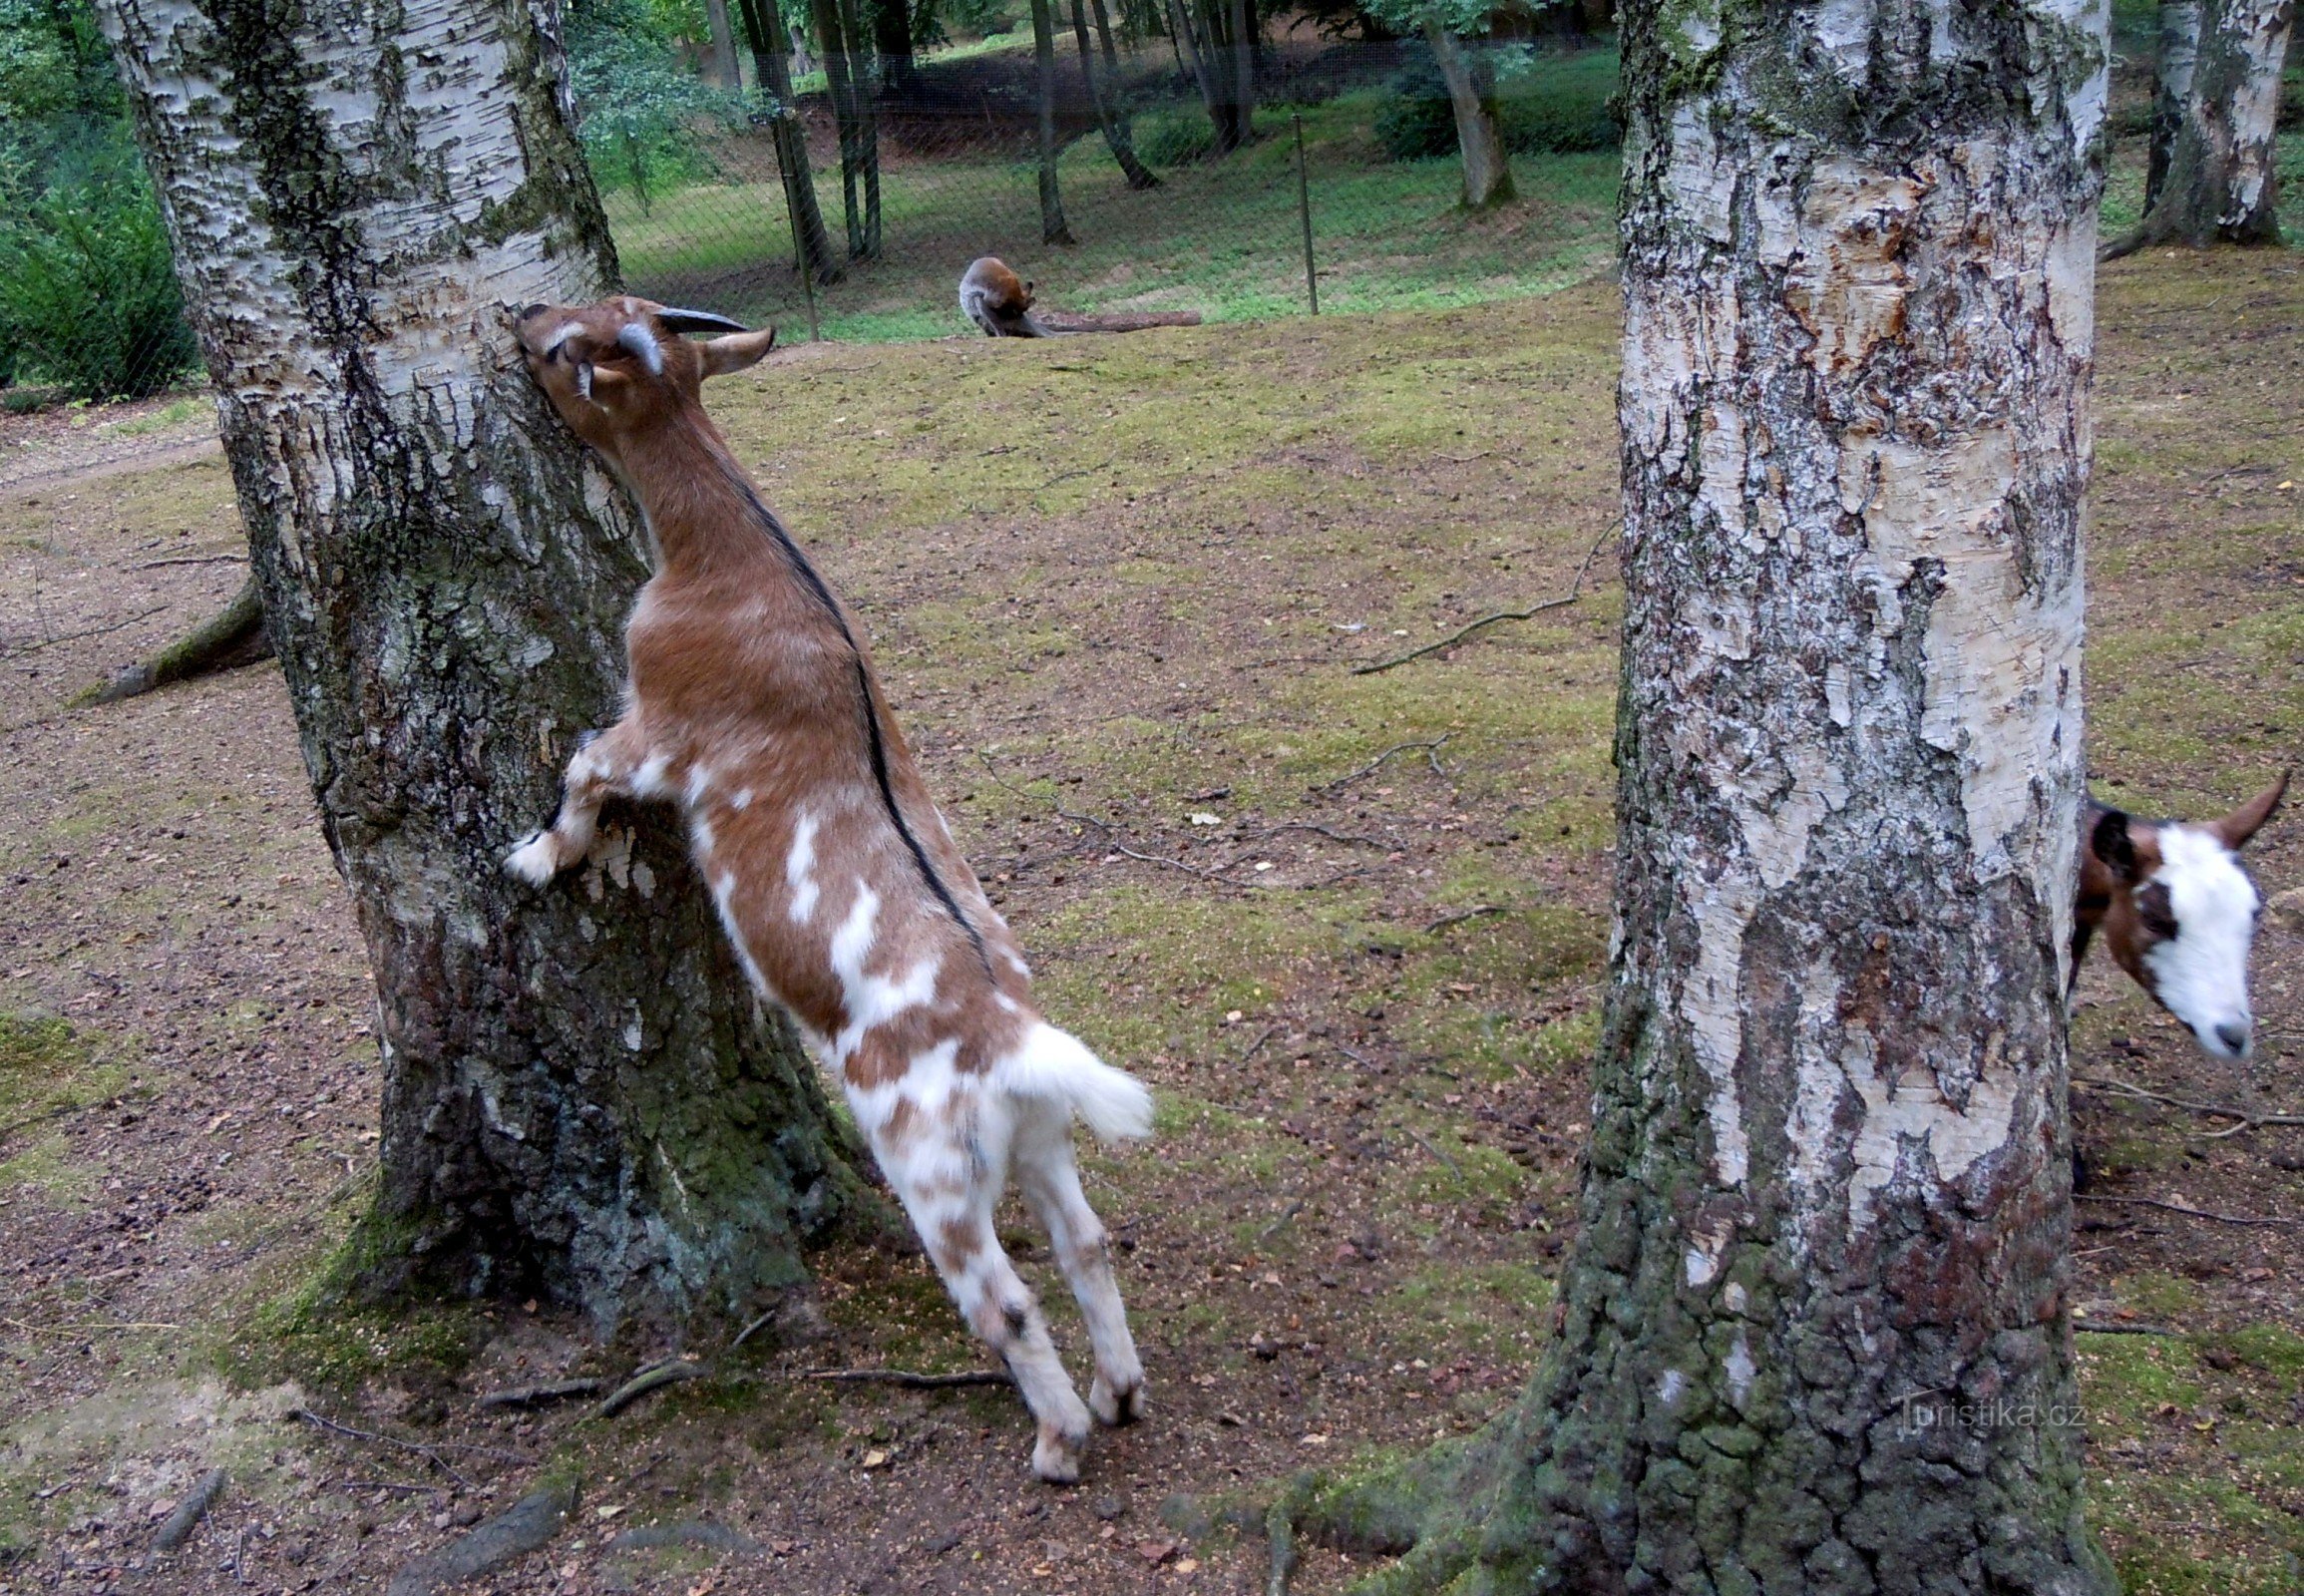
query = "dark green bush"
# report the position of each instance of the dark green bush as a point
(88, 292)
(1548, 103)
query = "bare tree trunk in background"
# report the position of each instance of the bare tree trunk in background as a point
(724, 73)
(1104, 35)
(581, 1097)
(864, 88)
(1184, 34)
(2218, 183)
(840, 88)
(802, 62)
(1814, 1334)
(764, 30)
(1243, 71)
(1052, 229)
(1116, 135)
(892, 49)
(1487, 175)
(2172, 91)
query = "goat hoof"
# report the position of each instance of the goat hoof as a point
(1057, 1459)
(535, 861)
(1115, 1406)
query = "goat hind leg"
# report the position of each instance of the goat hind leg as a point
(1050, 1180)
(998, 1305)
(601, 768)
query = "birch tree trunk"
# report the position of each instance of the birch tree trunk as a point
(581, 1097)
(1487, 175)
(2172, 91)
(2217, 181)
(1814, 1334)
(1052, 229)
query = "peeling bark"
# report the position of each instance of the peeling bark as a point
(2212, 177)
(581, 1097)
(1814, 1334)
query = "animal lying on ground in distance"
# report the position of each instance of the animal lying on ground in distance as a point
(753, 708)
(2177, 912)
(1000, 302)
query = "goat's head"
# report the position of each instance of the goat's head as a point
(2179, 912)
(617, 370)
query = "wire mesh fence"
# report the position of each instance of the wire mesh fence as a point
(1147, 213)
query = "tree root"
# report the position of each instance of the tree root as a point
(1066, 322)
(234, 637)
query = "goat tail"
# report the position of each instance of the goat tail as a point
(1057, 1066)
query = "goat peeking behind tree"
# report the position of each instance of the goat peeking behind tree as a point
(753, 708)
(2177, 910)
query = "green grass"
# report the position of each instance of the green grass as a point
(1223, 239)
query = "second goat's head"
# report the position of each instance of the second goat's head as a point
(620, 370)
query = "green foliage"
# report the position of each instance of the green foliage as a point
(1547, 102)
(641, 111)
(88, 290)
(1174, 138)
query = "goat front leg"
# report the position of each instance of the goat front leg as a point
(601, 768)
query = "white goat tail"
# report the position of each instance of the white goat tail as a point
(1057, 1066)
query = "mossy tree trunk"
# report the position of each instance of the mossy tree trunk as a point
(581, 1097)
(1488, 175)
(1814, 1335)
(2214, 172)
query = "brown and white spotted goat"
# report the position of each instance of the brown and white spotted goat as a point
(2177, 910)
(753, 706)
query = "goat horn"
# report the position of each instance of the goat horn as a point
(699, 321)
(641, 341)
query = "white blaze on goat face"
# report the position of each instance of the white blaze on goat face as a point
(2201, 972)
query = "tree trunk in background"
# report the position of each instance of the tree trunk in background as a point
(1104, 35)
(1814, 1334)
(864, 88)
(1116, 136)
(764, 30)
(802, 62)
(1052, 229)
(1185, 36)
(1487, 175)
(2218, 184)
(891, 48)
(1243, 71)
(840, 88)
(580, 1095)
(2172, 91)
(724, 73)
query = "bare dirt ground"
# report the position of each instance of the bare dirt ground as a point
(1117, 592)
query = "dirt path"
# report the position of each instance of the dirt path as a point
(1125, 582)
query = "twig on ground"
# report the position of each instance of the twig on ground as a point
(2247, 1120)
(1305, 825)
(74, 637)
(2196, 1213)
(1475, 913)
(1431, 751)
(81, 1326)
(1111, 833)
(403, 1486)
(239, 1549)
(1433, 1147)
(177, 1527)
(1279, 1224)
(1574, 593)
(549, 1391)
(670, 1371)
(2117, 1328)
(193, 559)
(908, 1379)
(1257, 1045)
(430, 1452)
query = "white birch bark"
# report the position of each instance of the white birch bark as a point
(2213, 177)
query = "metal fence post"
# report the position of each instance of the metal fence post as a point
(1303, 208)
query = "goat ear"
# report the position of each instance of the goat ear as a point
(2112, 843)
(2245, 822)
(736, 351)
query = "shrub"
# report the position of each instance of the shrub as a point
(1547, 102)
(88, 292)
(1173, 138)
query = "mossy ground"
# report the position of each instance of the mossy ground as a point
(1114, 588)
